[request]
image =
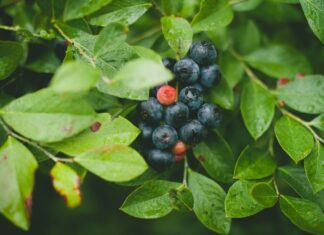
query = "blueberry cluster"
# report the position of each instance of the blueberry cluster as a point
(171, 124)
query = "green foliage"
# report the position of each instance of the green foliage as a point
(73, 72)
(17, 170)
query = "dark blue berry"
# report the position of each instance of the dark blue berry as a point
(186, 71)
(159, 160)
(198, 86)
(169, 63)
(203, 53)
(210, 75)
(151, 111)
(177, 114)
(146, 132)
(210, 115)
(192, 97)
(193, 132)
(164, 137)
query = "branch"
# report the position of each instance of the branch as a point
(76, 45)
(34, 144)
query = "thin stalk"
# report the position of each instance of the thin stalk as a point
(34, 144)
(185, 171)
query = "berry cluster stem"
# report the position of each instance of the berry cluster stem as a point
(34, 144)
(185, 171)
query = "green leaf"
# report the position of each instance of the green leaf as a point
(149, 73)
(103, 131)
(222, 95)
(295, 177)
(45, 62)
(121, 90)
(172, 7)
(279, 61)
(212, 15)
(305, 214)
(265, 194)
(318, 122)
(151, 200)
(314, 167)
(239, 203)
(116, 163)
(124, 11)
(247, 5)
(304, 95)
(48, 117)
(294, 138)
(247, 37)
(67, 183)
(257, 107)
(216, 157)
(314, 12)
(209, 203)
(147, 53)
(74, 77)
(17, 168)
(181, 199)
(100, 101)
(232, 69)
(254, 163)
(11, 54)
(178, 33)
(77, 9)
(108, 38)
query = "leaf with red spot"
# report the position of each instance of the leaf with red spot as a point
(17, 168)
(67, 183)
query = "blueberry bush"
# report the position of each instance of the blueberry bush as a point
(213, 108)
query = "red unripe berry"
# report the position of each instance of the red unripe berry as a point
(282, 81)
(179, 150)
(166, 95)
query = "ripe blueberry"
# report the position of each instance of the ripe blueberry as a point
(203, 53)
(186, 71)
(151, 111)
(146, 132)
(210, 75)
(179, 150)
(159, 160)
(164, 137)
(198, 86)
(166, 95)
(193, 132)
(169, 63)
(192, 97)
(177, 114)
(209, 115)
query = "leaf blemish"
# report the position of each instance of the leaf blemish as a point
(67, 129)
(201, 158)
(28, 204)
(95, 126)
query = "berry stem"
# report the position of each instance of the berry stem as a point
(185, 171)
(34, 144)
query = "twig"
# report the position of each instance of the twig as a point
(76, 45)
(17, 29)
(34, 144)
(185, 171)
(304, 123)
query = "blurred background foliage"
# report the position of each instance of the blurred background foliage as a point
(260, 23)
